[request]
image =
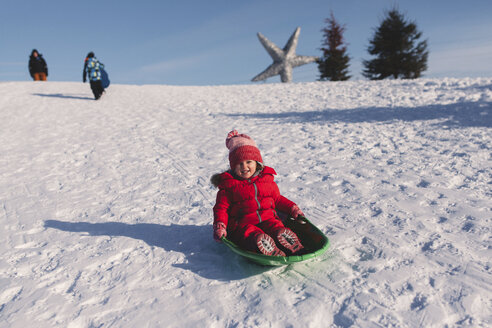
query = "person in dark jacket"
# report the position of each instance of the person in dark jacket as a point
(37, 66)
(92, 68)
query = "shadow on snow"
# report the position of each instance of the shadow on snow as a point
(203, 256)
(59, 95)
(457, 115)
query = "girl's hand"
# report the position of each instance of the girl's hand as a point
(220, 231)
(295, 211)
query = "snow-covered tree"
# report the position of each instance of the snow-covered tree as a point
(398, 52)
(333, 65)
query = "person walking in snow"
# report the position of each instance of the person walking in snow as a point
(38, 69)
(247, 202)
(92, 68)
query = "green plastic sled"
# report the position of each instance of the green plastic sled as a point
(314, 241)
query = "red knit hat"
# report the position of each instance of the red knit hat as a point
(241, 148)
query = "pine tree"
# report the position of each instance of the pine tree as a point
(333, 65)
(396, 51)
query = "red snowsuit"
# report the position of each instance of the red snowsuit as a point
(248, 207)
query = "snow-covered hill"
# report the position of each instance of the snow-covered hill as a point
(105, 206)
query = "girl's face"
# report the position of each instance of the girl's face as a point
(245, 169)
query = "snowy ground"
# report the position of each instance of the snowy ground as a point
(105, 206)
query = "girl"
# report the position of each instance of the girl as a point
(247, 201)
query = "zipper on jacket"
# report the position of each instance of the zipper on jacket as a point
(257, 202)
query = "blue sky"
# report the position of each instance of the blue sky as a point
(214, 42)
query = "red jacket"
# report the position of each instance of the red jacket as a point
(251, 201)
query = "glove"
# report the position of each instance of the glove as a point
(219, 231)
(295, 211)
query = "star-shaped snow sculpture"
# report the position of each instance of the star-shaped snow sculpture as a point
(284, 60)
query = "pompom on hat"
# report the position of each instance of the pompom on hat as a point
(241, 148)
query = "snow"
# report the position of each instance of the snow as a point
(106, 205)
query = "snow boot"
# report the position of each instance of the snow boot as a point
(267, 246)
(289, 240)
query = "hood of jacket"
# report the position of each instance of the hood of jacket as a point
(224, 179)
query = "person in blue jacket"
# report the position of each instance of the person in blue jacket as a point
(92, 68)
